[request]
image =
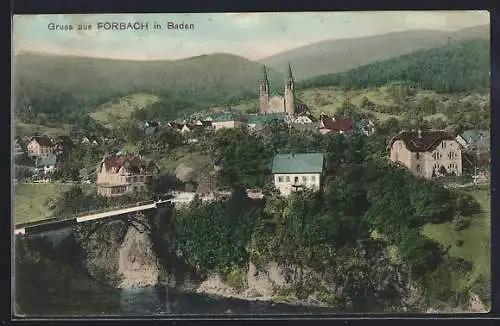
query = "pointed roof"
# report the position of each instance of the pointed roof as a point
(289, 73)
(264, 70)
(43, 141)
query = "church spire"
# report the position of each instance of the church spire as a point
(289, 73)
(264, 93)
(289, 96)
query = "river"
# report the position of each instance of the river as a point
(153, 301)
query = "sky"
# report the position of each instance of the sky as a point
(251, 35)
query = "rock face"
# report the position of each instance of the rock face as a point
(258, 284)
(101, 244)
(137, 263)
(119, 254)
(124, 256)
(264, 283)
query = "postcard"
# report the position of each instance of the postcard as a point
(251, 163)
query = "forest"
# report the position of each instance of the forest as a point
(46, 87)
(48, 91)
(453, 68)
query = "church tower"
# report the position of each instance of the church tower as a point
(264, 93)
(289, 97)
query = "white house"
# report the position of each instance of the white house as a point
(293, 172)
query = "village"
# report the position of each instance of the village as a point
(426, 153)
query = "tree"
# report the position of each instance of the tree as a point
(214, 236)
(163, 184)
(388, 127)
(367, 104)
(432, 203)
(421, 255)
(69, 202)
(243, 158)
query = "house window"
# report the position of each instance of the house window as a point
(313, 178)
(452, 155)
(418, 155)
(287, 178)
(136, 178)
(400, 145)
(142, 178)
(304, 179)
(296, 179)
(436, 167)
(443, 144)
(436, 155)
(419, 168)
(452, 166)
(280, 178)
(129, 179)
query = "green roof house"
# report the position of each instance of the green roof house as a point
(292, 172)
(257, 122)
(46, 163)
(227, 120)
(475, 140)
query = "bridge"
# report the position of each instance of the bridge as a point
(56, 223)
(179, 198)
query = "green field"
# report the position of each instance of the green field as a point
(31, 200)
(329, 99)
(121, 108)
(194, 160)
(476, 238)
(25, 129)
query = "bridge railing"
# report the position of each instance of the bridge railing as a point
(77, 215)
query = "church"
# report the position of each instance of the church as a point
(280, 104)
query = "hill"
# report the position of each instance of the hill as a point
(58, 86)
(456, 67)
(340, 55)
(122, 108)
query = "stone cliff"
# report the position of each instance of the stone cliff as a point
(132, 253)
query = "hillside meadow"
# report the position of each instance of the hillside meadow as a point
(472, 243)
(31, 201)
(120, 109)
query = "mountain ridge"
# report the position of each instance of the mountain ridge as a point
(339, 55)
(453, 68)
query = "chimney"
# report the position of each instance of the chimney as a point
(419, 133)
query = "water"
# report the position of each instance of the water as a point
(154, 301)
